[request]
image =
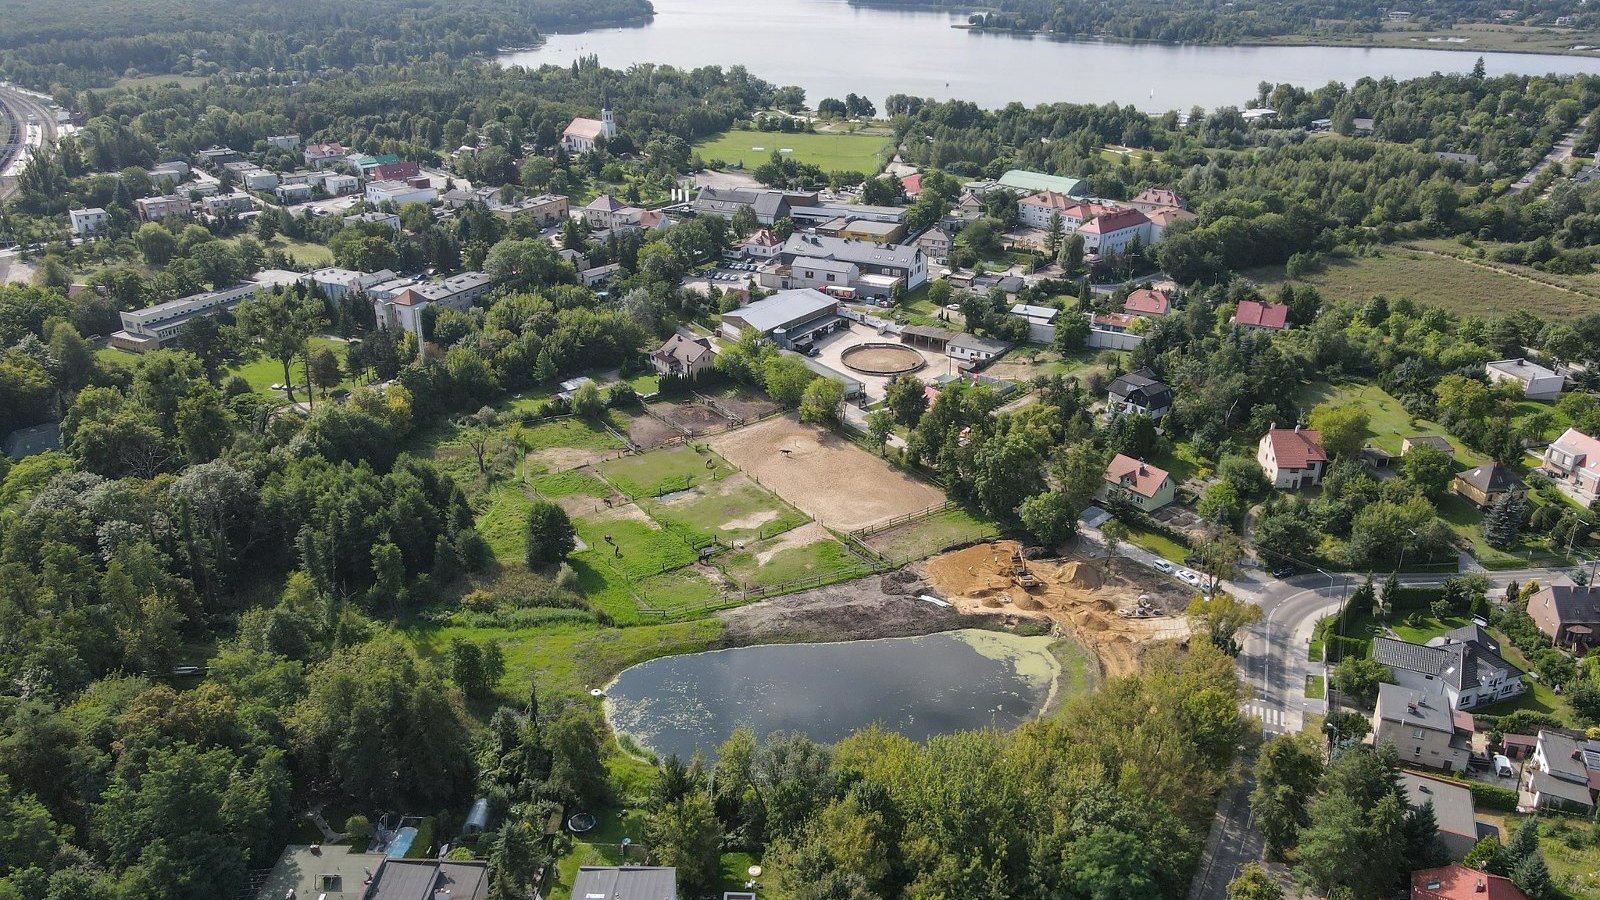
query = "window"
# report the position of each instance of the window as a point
(1418, 733)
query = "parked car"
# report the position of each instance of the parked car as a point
(1191, 560)
(1163, 566)
(1502, 766)
(953, 307)
(1189, 578)
(1282, 572)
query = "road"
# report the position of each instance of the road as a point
(24, 121)
(1559, 154)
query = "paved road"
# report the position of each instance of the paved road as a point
(1559, 154)
(1233, 841)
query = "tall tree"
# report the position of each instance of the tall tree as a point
(282, 322)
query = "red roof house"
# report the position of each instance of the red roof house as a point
(1136, 481)
(912, 184)
(1271, 316)
(1292, 457)
(1145, 302)
(1458, 882)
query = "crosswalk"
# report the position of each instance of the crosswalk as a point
(1273, 719)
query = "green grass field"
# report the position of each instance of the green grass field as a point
(652, 474)
(637, 548)
(503, 521)
(1389, 423)
(1435, 280)
(574, 433)
(1158, 543)
(263, 372)
(830, 152)
(926, 537)
(729, 510)
(820, 559)
(573, 483)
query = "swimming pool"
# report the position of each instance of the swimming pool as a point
(401, 843)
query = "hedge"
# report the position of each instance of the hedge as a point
(1489, 796)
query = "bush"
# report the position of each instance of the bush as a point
(1489, 796)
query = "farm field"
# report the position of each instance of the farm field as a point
(830, 152)
(1433, 279)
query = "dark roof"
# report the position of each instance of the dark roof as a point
(625, 883)
(427, 879)
(1573, 604)
(1461, 664)
(1452, 803)
(1143, 389)
(1491, 479)
(771, 204)
(34, 439)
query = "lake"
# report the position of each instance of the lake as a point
(917, 686)
(832, 48)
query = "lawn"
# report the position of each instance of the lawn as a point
(1316, 688)
(734, 509)
(572, 483)
(573, 433)
(928, 536)
(302, 252)
(1466, 521)
(1433, 279)
(1157, 543)
(503, 521)
(1389, 423)
(263, 372)
(662, 471)
(819, 559)
(829, 152)
(637, 548)
(113, 358)
(1182, 462)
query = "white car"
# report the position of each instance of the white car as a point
(953, 307)
(1163, 566)
(1189, 578)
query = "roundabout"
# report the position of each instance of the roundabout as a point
(880, 358)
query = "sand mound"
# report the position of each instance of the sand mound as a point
(1081, 575)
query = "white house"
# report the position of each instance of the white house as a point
(86, 221)
(339, 185)
(1574, 461)
(1465, 664)
(581, 135)
(975, 351)
(1292, 457)
(404, 309)
(292, 193)
(1560, 772)
(1536, 381)
(398, 192)
(1112, 232)
(283, 141)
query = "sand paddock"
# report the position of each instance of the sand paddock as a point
(690, 416)
(830, 479)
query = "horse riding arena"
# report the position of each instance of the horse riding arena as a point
(827, 477)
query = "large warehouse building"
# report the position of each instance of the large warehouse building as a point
(790, 318)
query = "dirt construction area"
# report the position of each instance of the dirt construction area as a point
(829, 478)
(1115, 613)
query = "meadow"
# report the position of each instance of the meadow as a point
(829, 152)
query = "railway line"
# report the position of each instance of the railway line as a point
(24, 123)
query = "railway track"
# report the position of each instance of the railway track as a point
(17, 112)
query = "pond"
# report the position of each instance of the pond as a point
(832, 47)
(917, 686)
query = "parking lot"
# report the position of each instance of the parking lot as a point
(724, 276)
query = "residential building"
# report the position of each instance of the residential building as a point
(1265, 316)
(936, 243)
(1116, 331)
(1484, 485)
(1464, 664)
(329, 871)
(974, 352)
(259, 180)
(546, 209)
(365, 164)
(1146, 302)
(217, 157)
(1112, 232)
(154, 209)
(398, 192)
(338, 185)
(1034, 182)
(283, 141)
(293, 193)
(1136, 482)
(1453, 809)
(428, 879)
(881, 268)
(811, 211)
(399, 170)
(229, 203)
(146, 329)
(968, 206)
(1568, 614)
(582, 135)
(768, 206)
(1573, 460)
(601, 212)
(1158, 198)
(1461, 883)
(1536, 381)
(373, 217)
(404, 309)
(86, 221)
(323, 156)
(1563, 773)
(1036, 210)
(1139, 393)
(626, 883)
(598, 275)
(791, 318)
(1423, 727)
(763, 244)
(684, 357)
(1162, 220)
(1292, 457)
(176, 171)
(811, 272)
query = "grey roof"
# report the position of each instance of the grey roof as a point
(428, 879)
(332, 869)
(973, 342)
(770, 204)
(1573, 605)
(1414, 708)
(784, 308)
(625, 883)
(1491, 479)
(1142, 388)
(1572, 792)
(1467, 634)
(1565, 755)
(34, 439)
(862, 253)
(822, 264)
(1521, 368)
(1461, 664)
(927, 332)
(1452, 803)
